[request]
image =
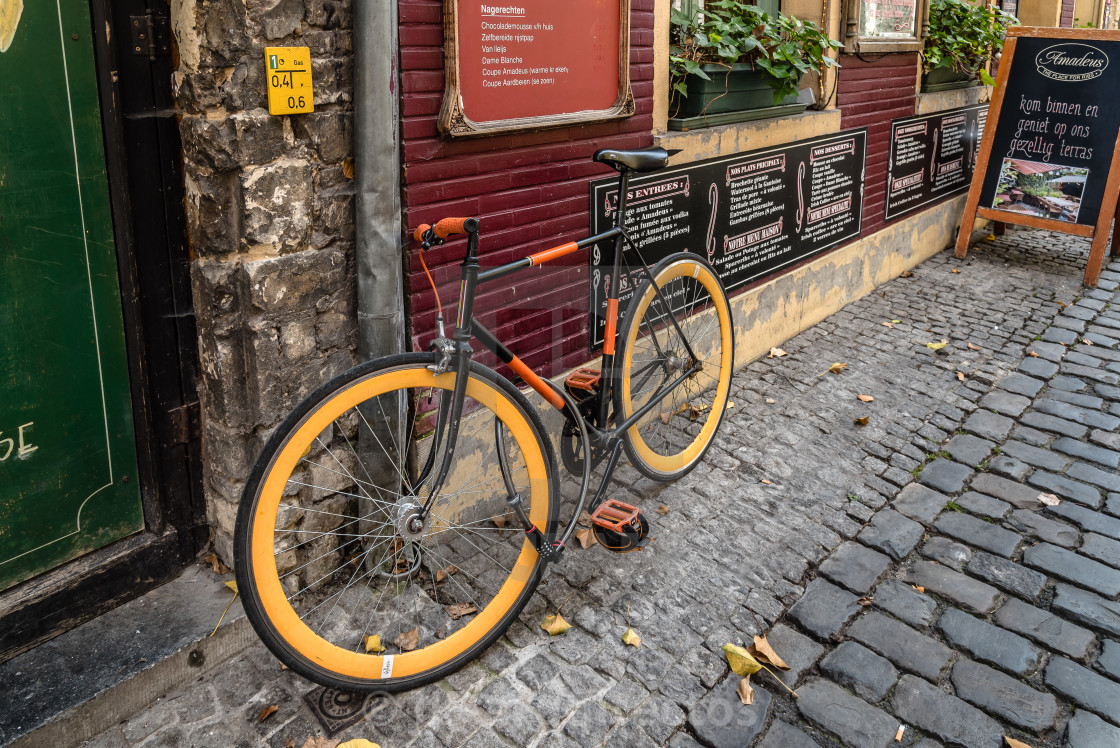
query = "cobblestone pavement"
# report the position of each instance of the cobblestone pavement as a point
(820, 530)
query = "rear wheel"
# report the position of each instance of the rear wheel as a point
(332, 551)
(684, 309)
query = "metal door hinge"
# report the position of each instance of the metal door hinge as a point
(151, 35)
(186, 423)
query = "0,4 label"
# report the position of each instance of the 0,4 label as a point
(288, 71)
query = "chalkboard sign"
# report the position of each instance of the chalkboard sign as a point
(1049, 157)
(932, 157)
(750, 214)
(517, 64)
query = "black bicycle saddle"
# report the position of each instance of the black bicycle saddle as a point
(640, 160)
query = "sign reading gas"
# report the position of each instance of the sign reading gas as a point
(288, 71)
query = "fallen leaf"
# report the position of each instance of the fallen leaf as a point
(695, 411)
(267, 712)
(777, 353)
(499, 520)
(555, 624)
(358, 743)
(866, 398)
(1013, 743)
(919, 588)
(317, 741)
(741, 661)
(896, 321)
(887, 324)
(373, 644)
(1033, 354)
(860, 421)
(1086, 341)
(662, 509)
(408, 640)
(290, 743)
(1061, 304)
(745, 692)
(960, 376)
(630, 636)
(458, 610)
(215, 563)
(837, 367)
(770, 401)
(974, 347)
(937, 346)
(1049, 499)
(764, 653)
(901, 728)
(348, 167)
(232, 584)
(730, 404)
(954, 270)
(906, 274)
(865, 601)
(766, 481)
(586, 538)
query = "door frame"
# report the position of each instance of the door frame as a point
(144, 168)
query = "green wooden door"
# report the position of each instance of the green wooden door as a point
(67, 453)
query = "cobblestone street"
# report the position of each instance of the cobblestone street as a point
(905, 569)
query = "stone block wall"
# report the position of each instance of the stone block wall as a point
(270, 213)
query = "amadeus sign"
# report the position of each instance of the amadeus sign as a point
(1071, 62)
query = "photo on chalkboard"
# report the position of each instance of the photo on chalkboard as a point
(1035, 188)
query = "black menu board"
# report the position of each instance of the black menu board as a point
(750, 214)
(932, 157)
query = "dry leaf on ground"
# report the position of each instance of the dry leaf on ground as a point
(730, 404)
(837, 367)
(777, 353)
(555, 624)
(586, 538)
(373, 644)
(215, 563)
(955, 270)
(408, 640)
(764, 653)
(1086, 341)
(745, 692)
(1061, 304)
(860, 421)
(887, 324)
(937, 346)
(766, 481)
(1013, 743)
(866, 398)
(906, 274)
(960, 375)
(318, 741)
(232, 585)
(896, 321)
(662, 509)
(865, 600)
(770, 401)
(267, 712)
(445, 572)
(348, 167)
(358, 743)
(1049, 499)
(499, 520)
(1032, 354)
(290, 743)
(919, 588)
(974, 347)
(458, 610)
(741, 661)
(630, 636)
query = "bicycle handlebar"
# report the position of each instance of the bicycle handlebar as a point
(445, 228)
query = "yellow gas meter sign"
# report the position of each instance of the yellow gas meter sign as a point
(289, 80)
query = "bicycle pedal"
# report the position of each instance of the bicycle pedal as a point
(583, 379)
(615, 515)
(619, 527)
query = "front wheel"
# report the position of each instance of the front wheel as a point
(677, 343)
(342, 575)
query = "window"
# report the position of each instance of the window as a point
(885, 25)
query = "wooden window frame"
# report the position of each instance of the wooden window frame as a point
(854, 43)
(454, 122)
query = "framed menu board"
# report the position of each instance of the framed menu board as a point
(528, 64)
(1048, 158)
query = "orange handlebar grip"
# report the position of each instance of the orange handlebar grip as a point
(449, 226)
(418, 234)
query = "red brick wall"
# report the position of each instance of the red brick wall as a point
(530, 190)
(1068, 9)
(871, 94)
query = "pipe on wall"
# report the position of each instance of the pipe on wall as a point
(377, 210)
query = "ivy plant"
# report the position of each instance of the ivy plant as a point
(965, 37)
(728, 32)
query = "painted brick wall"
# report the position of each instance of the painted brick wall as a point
(530, 190)
(1068, 10)
(871, 94)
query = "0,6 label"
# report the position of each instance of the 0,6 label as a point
(288, 71)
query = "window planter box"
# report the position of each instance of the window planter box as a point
(945, 79)
(740, 88)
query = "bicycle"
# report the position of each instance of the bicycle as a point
(418, 494)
